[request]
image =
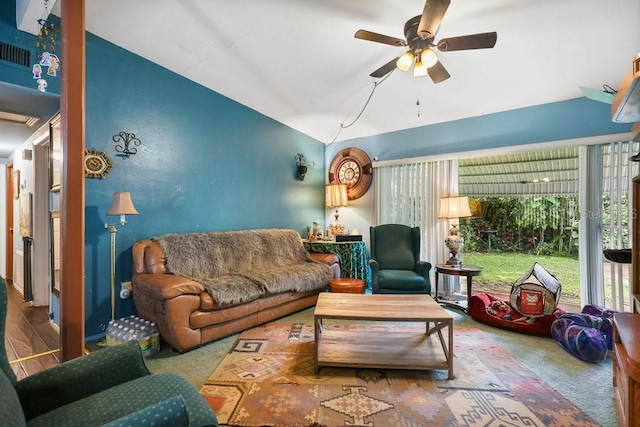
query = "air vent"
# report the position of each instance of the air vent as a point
(15, 55)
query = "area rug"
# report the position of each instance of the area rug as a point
(269, 379)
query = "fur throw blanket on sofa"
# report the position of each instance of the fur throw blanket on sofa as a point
(239, 266)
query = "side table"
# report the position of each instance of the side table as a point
(354, 262)
(465, 270)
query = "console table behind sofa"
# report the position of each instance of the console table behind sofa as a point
(354, 261)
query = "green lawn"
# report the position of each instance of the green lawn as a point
(502, 269)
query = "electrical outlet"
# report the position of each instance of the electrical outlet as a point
(126, 285)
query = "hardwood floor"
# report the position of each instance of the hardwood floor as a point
(32, 343)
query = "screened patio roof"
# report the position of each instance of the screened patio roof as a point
(546, 172)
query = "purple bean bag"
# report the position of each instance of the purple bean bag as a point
(582, 335)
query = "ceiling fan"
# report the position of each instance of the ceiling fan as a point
(419, 33)
(606, 95)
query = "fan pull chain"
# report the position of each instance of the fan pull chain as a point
(418, 99)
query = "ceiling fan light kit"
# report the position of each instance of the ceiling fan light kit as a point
(420, 32)
(420, 70)
(428, 57)
(405, 62)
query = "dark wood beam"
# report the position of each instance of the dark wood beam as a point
(72, 222)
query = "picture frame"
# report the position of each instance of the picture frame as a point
(16, 184)
(25, 218)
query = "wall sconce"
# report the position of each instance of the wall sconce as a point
(302, 167)
(127, 140)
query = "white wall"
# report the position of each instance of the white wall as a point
(27, 185)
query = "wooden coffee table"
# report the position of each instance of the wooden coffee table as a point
(372, 349)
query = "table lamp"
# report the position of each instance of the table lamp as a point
(121, 205)
(453, 208)
(335, 197)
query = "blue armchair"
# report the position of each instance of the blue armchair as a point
(395, 261)
(97, 389)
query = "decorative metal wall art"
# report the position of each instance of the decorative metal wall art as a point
(96, 164)
(129, 140)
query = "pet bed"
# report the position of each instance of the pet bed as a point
(494, 311)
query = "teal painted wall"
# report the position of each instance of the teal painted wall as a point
(575, 118)
(205, 163)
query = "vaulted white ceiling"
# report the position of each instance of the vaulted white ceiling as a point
(297, 61)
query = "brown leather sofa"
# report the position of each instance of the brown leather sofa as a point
(187, 315)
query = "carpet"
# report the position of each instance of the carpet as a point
(268, 379)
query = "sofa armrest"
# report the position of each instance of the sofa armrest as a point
(423, 268)
(165, 286)
(332, 260)
(375, 267)
(170, 412)
(78, 378)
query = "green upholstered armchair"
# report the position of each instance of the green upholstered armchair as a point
(111, 384)
(395, 261)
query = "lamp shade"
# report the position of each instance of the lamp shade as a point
(454, 207)
(419, 70)
(336, 195)
(428, 58)
(405, 61)
(122, 205)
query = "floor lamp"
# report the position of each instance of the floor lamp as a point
(121, 205)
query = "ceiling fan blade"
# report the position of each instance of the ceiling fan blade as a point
(380, 38)
(473, 41)
(385, 69)
(438, 73)
(432, 15)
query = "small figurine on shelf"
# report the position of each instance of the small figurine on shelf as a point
(309, 233)
(317, 231)
(329, 234)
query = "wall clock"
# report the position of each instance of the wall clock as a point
(96, 164)
(352, 167)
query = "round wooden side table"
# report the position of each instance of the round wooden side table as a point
(347, 286)
(465, 270)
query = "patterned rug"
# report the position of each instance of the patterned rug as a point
(268, 379)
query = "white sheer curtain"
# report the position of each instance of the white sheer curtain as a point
(590, 228)
(409, 194)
